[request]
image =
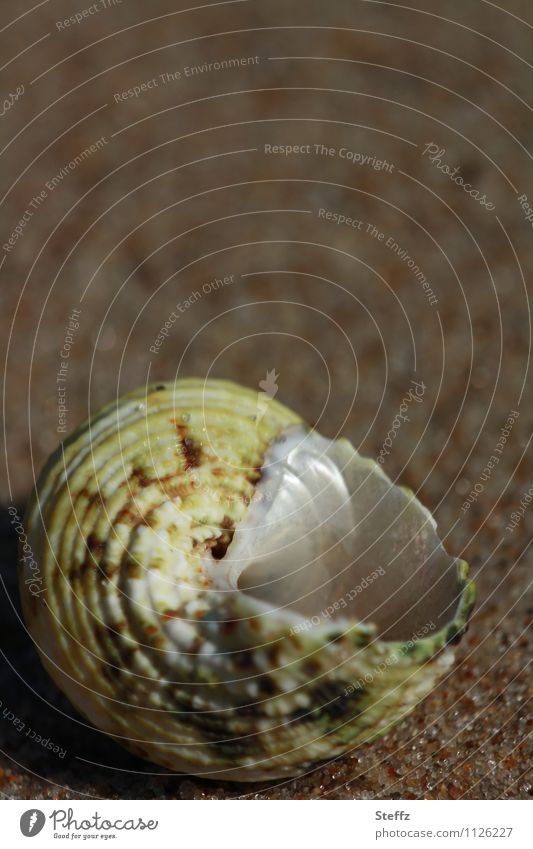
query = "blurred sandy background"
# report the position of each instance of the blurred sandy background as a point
(133, 177)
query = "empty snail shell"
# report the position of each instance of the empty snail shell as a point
(226, 592)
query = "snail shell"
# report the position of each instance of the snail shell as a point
(229, 594)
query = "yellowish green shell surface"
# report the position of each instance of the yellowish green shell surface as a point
(150, 615)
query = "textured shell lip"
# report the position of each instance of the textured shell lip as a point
(363, 633)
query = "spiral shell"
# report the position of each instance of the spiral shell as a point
(229, 594)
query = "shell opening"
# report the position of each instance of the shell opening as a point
(329, 537)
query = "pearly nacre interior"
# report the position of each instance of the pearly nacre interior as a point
(325, 525)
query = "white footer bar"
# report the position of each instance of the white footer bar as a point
(267, 825)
